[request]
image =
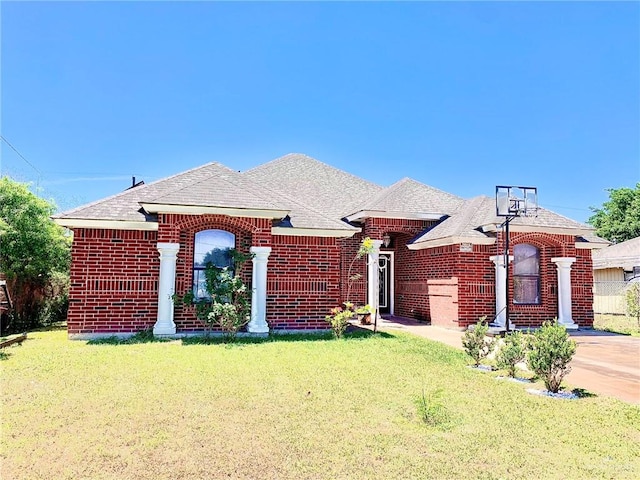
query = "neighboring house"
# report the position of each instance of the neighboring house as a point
(438, 257)
(613, 267)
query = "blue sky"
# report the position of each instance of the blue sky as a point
(462, 96)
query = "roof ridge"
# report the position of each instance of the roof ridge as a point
(319, 162)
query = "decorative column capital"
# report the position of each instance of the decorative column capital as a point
(168, 249)
(376, 245)
(563, 262)
(498, 260)
(261, 254)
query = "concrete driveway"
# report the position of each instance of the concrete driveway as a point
(605, 363)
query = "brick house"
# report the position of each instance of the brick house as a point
(437, 257)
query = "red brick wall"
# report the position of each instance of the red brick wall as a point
(303, 281)
(114, 281)
(476, 276)
(582, 288)
(114, 275)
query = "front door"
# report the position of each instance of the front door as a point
(385, 293)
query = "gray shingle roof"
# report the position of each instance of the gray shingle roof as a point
(315, 195)
(316, 184)
(480, 212)
(624, 255)
(411, 196)
(125, 206)
(212, 185)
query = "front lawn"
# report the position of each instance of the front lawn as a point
(292, 409)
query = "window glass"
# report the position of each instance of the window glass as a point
(210, 246)
(526, 274)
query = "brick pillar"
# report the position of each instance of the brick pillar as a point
(258, 323)
(166, 288)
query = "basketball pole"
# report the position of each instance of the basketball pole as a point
(506, 273)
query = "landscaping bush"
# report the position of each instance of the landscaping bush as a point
(551, 350)
(632, 299)
(228, 304)
(512, 352)
(339, 318)
(475, 342)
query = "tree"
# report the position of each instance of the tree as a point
(34, 253)
(619, 218)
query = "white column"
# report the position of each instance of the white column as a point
(166, 288)
(501, 289)
(258, 323)
(373, 276)
(565, 317)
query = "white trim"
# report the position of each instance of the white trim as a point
(392, 287)
(200, 209)
(590, 245)
(313, 232)
(440, 242)
(363, 214)
(106, 224)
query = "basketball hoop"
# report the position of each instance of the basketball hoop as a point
(513, 202)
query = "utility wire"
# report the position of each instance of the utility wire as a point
(23, 158)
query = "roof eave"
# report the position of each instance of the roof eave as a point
(106, 224)
(364, 214)
(453, 240)
(314, 232)
(203, 209)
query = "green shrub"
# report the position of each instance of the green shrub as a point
(228, 304)
(339, 318)
(632, 298)
(475, 342)
(551, 350)
(512, 352)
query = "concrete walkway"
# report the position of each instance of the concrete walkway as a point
(605, 363)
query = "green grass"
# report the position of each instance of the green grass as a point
(617, 324)
(292, 408)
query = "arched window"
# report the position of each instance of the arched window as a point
(210, 246)
(526, 274)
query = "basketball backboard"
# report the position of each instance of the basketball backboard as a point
(512, 201)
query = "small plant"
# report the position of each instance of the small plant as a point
(475, 342)
(512, 352)
(339, 318)
(431, 410)
(364, 314)
(366, 247)
(632, 297)
(365, 309)
(551, 350)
